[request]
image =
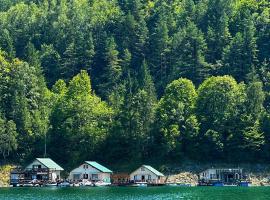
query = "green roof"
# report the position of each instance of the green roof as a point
(49, 163)
(156, 172)
(98, 166)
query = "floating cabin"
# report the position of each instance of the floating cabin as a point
(147, 174)
(41, 170)
(224, 176)
(91, 171)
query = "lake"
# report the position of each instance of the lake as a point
(123, 193)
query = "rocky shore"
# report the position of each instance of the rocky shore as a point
(257, 179)
(262, 179)
(184, 178)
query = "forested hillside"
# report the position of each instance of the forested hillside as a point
(135, 80)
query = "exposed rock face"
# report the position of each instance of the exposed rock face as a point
(260, 179)
(183, 178)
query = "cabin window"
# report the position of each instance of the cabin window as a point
(36, 166)
(142, 169)
(149, 177)
(76, 176)
(212, 176)
(94, 177)
(85, 176)
(135, 177)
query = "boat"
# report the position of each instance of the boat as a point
(28, 184)
(86, 183)
(139, 184)
(101, 184)
(51, 185)
(218, 184)
(244, 184)
(64, 184)
(77, 185)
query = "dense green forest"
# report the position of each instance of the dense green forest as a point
(135, 80)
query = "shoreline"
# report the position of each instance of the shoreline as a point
(180, 175)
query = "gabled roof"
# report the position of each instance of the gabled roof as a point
(98, 166)
(49, 163)
(156, 172)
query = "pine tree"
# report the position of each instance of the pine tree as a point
(134, 37)
(188, 54)
(111, 71)
(159, 55)
(240, 57)
(50, 62)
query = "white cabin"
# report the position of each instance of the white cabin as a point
(44, 169)
(225, 175)
(147, 173)
(91, 171)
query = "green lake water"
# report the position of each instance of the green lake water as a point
(151, 193)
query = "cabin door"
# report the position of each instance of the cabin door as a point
(143, 178)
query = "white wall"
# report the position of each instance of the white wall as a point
(54, 173)
(36, 162)
(90, 170)
(139, 173)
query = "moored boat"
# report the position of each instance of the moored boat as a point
(101, 184)
(87, 184)
(139, 184)
(51, 184)
(28, 185)
(244, 184)
(64, 184)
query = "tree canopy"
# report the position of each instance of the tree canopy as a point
(133, 80)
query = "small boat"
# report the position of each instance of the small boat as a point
(218, 184)
(87, 184)
(28, 184)
(51, 185)
(64, 184)
(101, 184)
(77, 184)
(139, 184)
(244, 184)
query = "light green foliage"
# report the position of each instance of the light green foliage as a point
(25, 100)
(218, 98)
(80, 120)
(231, 111)
(8, 137)
(175, 113)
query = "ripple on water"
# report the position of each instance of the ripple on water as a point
(123, 193)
